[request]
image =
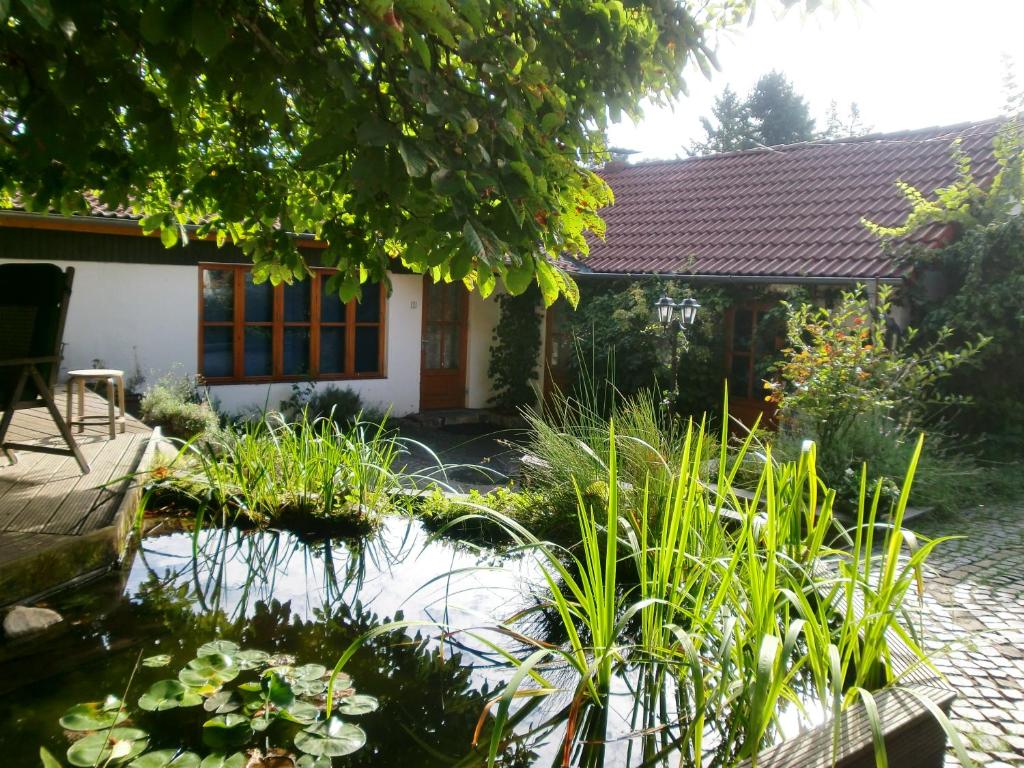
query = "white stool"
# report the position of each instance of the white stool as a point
(115, 389)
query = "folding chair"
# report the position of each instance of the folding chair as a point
(33, 307)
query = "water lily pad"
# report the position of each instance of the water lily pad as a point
(331, 738)
(211, 669)
(309, 687)
(166, 758)
(359, 704)
(168, 694)
(309, 672)
(301, 712)
(220, 760)
(222, 702)
(94, 715)
(250, 659)
(160, 660)
(226, 731)
(223, 647)
(308, 761)
(113, 747)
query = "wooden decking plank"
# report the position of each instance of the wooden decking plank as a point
(31, 483)
(77, 495)
(82, 510)
(39, 505)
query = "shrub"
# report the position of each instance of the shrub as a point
(863, 399)
(176, 405)
(343, 405)
(457, 515)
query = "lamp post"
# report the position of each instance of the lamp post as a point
(687, 313)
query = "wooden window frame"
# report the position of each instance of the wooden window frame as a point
(238, 325)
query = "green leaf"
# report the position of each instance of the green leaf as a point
(226, 731)
(210, 33)
(517, 279)
(168, 694)
(220, 760)
(41, 11)
(166, 758)
(169, 236)
(331, 738)
(309, 761)
(415, 161)
(472, 238)
(222, 702)
(5, 11)
(359, 704)
(250, 659)
(420, 46)
(209, 669)
(310, 672)
(214, 647)
(94, 715)
(301, 712)
(160, 660)
(279, 692)
(48, 760)
(99, 748)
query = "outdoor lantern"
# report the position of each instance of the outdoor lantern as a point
(688, 311)
(665, 306)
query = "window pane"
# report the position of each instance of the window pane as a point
(432, 347)
(296, 351)
(218, 352)
(258, 351)
(368, 309)
(435, 301)
(332, 350)
(367, 349)
(218, 295)
(743, 329)
(297, 302)
(259, 301)
(739, 376)
(331, 308)
(453, 293)
(450, 352)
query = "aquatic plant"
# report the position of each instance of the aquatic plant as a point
(745, 612)
(309, 474)
(245, 701)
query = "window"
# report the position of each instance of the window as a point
(250, 332)
(753, 340)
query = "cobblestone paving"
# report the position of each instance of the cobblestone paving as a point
(975, 606)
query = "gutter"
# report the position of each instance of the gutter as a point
(773, 279)
(79, 223)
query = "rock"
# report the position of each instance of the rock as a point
(22, 620)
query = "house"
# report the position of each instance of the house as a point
(779, 216)
(766, 220)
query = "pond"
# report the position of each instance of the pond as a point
(268, 590)
(271, 591)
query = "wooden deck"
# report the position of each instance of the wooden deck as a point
(45, 501)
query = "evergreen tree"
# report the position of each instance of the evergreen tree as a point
(772, 113)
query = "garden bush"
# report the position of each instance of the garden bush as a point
(863, 398)
(343, 405)
(176, 405)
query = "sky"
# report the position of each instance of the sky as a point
(906, 63)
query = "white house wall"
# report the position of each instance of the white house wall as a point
(144, 318)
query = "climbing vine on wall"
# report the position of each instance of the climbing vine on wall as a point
(515, 351)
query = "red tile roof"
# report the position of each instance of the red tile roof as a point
(789, 211)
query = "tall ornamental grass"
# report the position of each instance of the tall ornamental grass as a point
(307, 473)
(731, 616)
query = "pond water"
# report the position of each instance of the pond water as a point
(270, 591)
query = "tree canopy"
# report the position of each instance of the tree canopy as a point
(773, 113)
(457, 136)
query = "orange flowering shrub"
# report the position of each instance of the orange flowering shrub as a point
(845, 362)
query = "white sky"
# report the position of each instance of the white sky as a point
(907, 64)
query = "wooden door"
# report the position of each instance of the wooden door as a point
(443, 353)
(753, 339)
(557, 349)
